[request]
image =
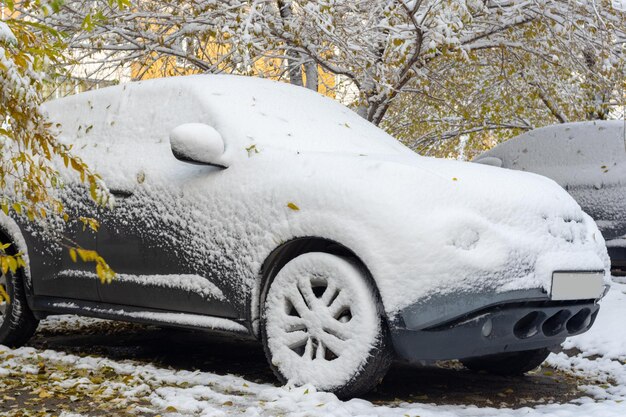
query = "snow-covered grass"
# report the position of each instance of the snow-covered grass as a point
(607, 337)
(171, 393)
(175, 393)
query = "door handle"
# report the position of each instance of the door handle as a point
(121, 193)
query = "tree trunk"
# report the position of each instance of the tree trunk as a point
(293, 61)
(310, 69)
(599, 111)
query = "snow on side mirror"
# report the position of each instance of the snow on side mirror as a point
(490, 160)
(197, 143)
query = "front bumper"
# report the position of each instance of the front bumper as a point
(506, 327)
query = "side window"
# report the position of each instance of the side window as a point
(122, 132)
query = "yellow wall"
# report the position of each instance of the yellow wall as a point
(272, 68)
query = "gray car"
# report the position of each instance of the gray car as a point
(263, 210)
(588, 159)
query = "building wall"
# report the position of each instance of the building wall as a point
(272, 68)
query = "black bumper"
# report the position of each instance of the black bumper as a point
(497, 329)
(618, 258)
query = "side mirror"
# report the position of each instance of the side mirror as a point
(197, 143)
(490, 160)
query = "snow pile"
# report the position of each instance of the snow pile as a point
(187, 282)
(179, 319)
(620, 4)
(299, 165)
(607, 337)
(6, 35)
(62, 322)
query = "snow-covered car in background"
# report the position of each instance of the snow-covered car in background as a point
(269, 211)
(588, 159)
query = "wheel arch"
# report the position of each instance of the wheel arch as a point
(287, 251)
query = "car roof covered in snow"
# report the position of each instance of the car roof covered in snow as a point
(581, 153)
(247, 111)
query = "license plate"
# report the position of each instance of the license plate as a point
(577, 285)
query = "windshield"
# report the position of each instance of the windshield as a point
(250, 111)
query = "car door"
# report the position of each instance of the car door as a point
(142, 237)
(54, 272)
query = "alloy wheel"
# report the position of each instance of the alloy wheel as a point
(321, 321)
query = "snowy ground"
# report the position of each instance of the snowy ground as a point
(99, 368)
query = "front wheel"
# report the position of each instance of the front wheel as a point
(508, 364)
(322, 325)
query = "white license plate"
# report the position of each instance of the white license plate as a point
(577, 285)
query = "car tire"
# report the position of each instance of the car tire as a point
(508, 364)
(322, 324)
(17, 322)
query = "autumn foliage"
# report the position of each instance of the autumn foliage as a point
(30, 155)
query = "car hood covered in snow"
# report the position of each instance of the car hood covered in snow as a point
(426, 226)
(301, 165)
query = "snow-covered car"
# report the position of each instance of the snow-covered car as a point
(265, 210)
(588, 159)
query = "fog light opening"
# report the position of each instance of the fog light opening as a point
(487, 328)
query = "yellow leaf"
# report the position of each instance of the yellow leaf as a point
(171, 409)
(228, 403)
(76, 166)
(293, 206)
(4, 296)
(12, 263)
(44, 394)
(86, 255)
(73, 254)
(100, 272)
(4, 263)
